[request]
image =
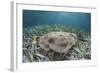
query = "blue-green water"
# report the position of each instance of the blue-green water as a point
(39, 23)
(73, 19)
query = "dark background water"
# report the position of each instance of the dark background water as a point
(75, 19)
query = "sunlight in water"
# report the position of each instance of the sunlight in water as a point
(43, 30)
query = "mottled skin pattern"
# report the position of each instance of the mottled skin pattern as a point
(59, 42)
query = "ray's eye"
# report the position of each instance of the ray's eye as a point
(72, 35)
